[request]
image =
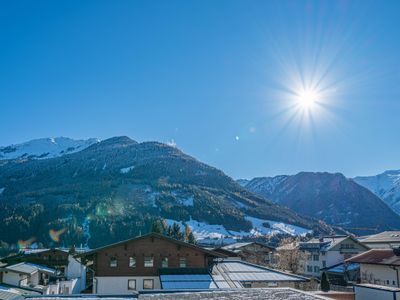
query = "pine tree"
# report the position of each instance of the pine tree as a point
(176, 232)
(191, 238)
(156, 227)
(325, 287)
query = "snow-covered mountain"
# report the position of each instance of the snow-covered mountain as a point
(331, 197)
(45, 148)
(385, 185)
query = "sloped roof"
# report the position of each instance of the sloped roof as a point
(327, 243)
(229, 273)
(8, 292)
(377, 257)
(28, 268)
(237, 246)
(155, 235)
(341, 268)
(383, 237)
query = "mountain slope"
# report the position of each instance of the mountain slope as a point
(45, 148)
(385, 185)
(331, 197)
(114, 189)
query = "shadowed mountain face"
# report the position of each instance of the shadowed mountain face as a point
(114, 189)
(331, 197)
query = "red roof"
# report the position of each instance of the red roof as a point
(377, 257)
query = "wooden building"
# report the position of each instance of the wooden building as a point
(136, 264)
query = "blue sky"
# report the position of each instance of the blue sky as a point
(220, 78)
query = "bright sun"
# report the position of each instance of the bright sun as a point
(307, 98)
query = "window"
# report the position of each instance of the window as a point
(309, 257)
(148, 262)
(131, 284)
(148, 284)
(324, 263)
(309, 268)
(316, 257)
(164, 262)
(247, 285)
(316, 269)
(132, 262)
(113, 262)
(182, 262)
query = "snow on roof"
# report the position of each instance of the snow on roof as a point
(28, 268)
(243, 294)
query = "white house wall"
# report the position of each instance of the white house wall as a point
(379, 274)
(15, 279)
(76, 270)
(364, 293)
(119, 284)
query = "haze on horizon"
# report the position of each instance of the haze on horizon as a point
(254, 88)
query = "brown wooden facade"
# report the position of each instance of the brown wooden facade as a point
(54, 258)
(116, 259)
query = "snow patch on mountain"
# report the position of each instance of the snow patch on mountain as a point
(202, 230)
(259, 227)
(45, 148)
(186, 201)
(385, 185)
(127, 170)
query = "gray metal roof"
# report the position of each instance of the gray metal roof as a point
(8, 292)
(232, 273)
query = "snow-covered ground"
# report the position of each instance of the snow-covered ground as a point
(45, 148)
(203, 230)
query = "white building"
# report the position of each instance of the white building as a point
(328, 251)
(379, 267)
(26, 275)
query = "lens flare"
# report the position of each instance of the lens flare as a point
(55, 235)
(25, 244)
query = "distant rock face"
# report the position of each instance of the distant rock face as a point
(385, 185)
(331, 197)
(114, 189)
(45, 148)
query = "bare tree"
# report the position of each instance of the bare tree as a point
(289, 257)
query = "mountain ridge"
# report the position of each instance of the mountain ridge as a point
(118, 187)
(330, 196)
(385, 185)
